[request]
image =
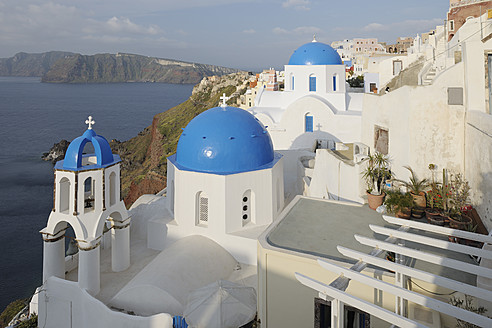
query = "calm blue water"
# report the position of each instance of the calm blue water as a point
(33, 116)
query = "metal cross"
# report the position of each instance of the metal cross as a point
(319, 127)
(90, 122)
(224, 98)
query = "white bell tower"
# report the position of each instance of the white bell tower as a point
(86, 196)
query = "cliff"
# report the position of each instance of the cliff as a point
(24, 64)
(144, 164)
(103, 68)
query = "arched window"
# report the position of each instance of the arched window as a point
(201, 209)
(88, 195)
(312, 82)
(292, 82)
(335, 82)
(308, 122)
(112, 188)
(246, 207)
(64, 195)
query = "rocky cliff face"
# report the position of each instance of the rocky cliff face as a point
(102, 68)
(57, 152)
(68, 67)
(24, 64)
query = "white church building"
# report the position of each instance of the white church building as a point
(315, 103)
(317, 124)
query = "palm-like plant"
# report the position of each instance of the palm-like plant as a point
(415, 186)
(376, 172)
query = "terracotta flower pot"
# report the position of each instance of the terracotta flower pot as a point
(375, 201)
(404, 213)
(419, 199)
(418, 213)
(459, 221)
(434, 217)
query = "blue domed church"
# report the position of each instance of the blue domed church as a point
(315, 67)
(315, 104)
(225, 182)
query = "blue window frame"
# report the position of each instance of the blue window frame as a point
(334, 83)
(308, 123)
(292, 82)
(312, 83)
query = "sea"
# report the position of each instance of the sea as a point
(34, 116)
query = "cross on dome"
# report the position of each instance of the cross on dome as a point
(90, 122)
(314, 38)
(224, 98)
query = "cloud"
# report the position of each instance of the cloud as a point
(120, 25)
(374, 27)
(419, 24)
(391, 31)
(250, 31)
(297, 4)
(34, 26)
(301, 30)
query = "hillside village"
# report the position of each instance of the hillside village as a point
(292, 199)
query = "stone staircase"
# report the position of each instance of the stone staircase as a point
(429, 77)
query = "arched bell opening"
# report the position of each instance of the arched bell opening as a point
(64, 195)
(112, 189)
(89, 188)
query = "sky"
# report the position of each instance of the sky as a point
(245, 34)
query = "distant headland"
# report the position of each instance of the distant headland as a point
(67, 67)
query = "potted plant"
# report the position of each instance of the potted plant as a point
(438, 199)
(459, 193)
(435, 207)
(416, 188)
(399, 203)
(376, 172)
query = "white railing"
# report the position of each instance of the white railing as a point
(335, 291)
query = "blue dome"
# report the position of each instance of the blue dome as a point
(224, 140)
(315, 53)
(74, 154)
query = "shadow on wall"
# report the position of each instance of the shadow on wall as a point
(484, 208)
(307, 140)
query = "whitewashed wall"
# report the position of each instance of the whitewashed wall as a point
(423, 128)
(64, 304)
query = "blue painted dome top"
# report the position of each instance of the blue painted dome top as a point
(224, 140)
(75, 160)
(315, 53)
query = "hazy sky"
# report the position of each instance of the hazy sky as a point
(248, 34)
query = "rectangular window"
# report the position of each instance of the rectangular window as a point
(381, 140)
(397, 67)
(353, 317)
(312, 83)
(309, 124)
(292, 83)
(451, 25)
(334, 83)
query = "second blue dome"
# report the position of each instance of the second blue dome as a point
(224, 140)
(315, 53)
